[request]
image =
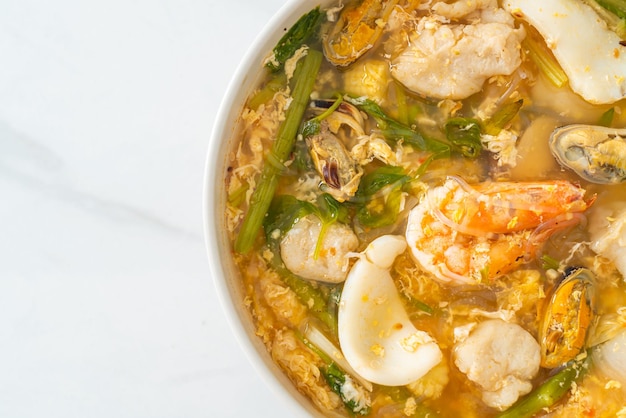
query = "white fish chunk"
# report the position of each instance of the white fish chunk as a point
(297, 250)
(452, 61)
(502, 359)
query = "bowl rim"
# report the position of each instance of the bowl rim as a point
(213, 197)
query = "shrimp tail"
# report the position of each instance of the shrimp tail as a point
(543, 232)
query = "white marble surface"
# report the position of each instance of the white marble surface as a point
(107, 308)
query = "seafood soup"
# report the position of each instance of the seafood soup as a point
(426, 205)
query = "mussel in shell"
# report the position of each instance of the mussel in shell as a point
(596, 153)
(563, 330)
(340, 172)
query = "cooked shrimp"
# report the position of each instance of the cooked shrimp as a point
(468, 234)
(298, 249)
(447, 60)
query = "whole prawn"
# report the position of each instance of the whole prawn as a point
(467, 234)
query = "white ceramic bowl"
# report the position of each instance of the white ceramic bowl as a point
(224, 274)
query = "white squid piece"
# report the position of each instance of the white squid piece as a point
(297, 250)
(501, 358)
(376, 335)
(590, 55)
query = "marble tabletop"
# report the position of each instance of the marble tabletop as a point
(107, 307)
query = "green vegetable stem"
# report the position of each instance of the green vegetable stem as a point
(502, 117)
(310, 296)
(546, 62)
(550, 392)
(262, 195)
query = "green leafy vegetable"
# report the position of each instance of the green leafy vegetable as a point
(330, 210)
(373, 182)
(305, 28)
(464, 134)
(283, 213)
(550, 391)
(380, 195)
(394, 130)
(262, 195)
